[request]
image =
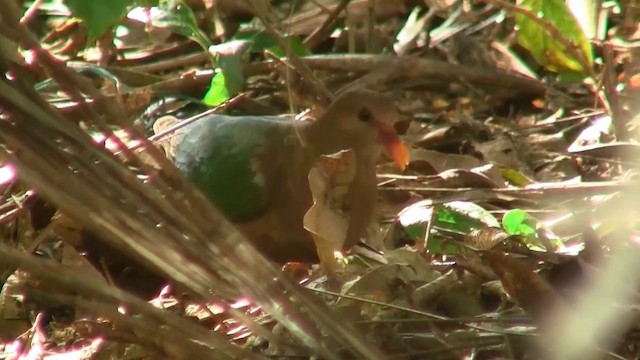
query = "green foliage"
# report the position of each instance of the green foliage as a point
(519, 222)
(462, 216)
(229, 80)
(177, 16)
(218, 92)
(228, 58)
(98, 15)
(514, 176)
(458, 216)
(543, 45)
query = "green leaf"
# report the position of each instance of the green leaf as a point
(229, 55)
(462, 216)
(177, 16)
(545, 48)
(519, 222)
(229, 61)
(217, 93)
(98, 15)
(457, 216)
(570, 77)
(414, 219)
(514, 177)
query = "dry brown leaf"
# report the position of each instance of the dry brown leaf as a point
(327, 219)
(525, 286)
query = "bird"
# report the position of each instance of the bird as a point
(255, 169)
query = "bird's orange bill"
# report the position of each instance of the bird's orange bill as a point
(395, 147)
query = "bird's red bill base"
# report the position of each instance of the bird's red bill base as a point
(396, 149)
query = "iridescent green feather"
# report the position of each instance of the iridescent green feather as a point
(220, 156)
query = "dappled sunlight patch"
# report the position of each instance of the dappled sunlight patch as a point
(7, 174)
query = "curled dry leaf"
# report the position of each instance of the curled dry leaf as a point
(328, 219)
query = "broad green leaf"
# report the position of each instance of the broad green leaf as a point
(177, 16)
(229, 55)
(414, 219)
(462, 216)
(545, 48)
(519, 222)
(218, 92)
(458, 216)
(229, 61)
(98, 15)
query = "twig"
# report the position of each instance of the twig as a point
(263, 13)
(65, 281)
(427, 315)
(316, 37)
(31, 12)
(164, 134)
(549, 192)
(377, 76)
(610, 81)
(371, 23)
(416, 71)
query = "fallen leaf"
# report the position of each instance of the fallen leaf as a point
(327, 219)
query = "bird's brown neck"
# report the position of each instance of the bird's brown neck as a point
(321, 139)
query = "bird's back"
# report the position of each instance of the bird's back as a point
(222, 155)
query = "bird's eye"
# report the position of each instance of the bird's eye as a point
(365, 115)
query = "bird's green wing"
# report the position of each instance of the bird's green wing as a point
(220, 155)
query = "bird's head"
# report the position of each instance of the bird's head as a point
(363, 118)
